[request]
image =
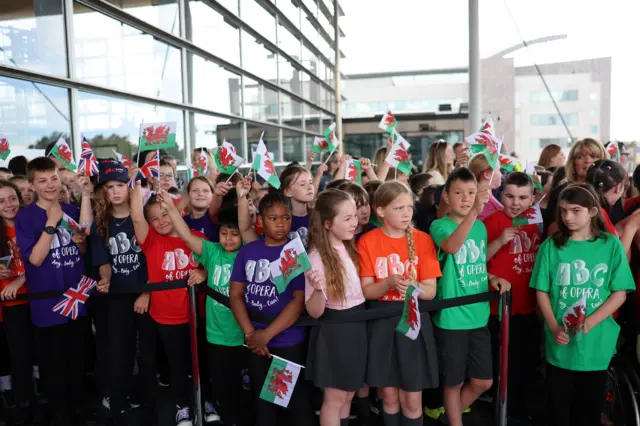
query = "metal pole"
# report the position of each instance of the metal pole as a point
(475, 100)
(75, 140)
(338, 94)
(504, 358)
(193, 331)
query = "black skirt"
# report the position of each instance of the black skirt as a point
(397, 361)
(337, 356)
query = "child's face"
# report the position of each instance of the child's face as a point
(117, 192)
(344, 224)
(167, 178)
(47, 185)
(301, 189)
(398, 213)
(65, 196)
(230, 239)
(460, 197)
(200, 195)
(9, 203)
(276, 222)
(26, 190)
(575, 216)
(403, 177)
(6, 175)
(364, 214)
(516, 199)
(159, 220)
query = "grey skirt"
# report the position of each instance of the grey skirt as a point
(397, 361)
(337, 356)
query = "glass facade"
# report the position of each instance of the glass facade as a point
(224, 69)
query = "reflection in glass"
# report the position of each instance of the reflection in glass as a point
(32, 114)
(258, 19)
(291, 11)
(257, 59)
(270, 138)
(290, 77)
(210, 31)
(33, 37)
(214, 87)
(163, 14)
(292, 147)
(260, 102)
(114, 122)
(211, 131)
(124, 58)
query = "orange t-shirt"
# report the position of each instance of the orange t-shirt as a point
(382, 256)
(17, 266)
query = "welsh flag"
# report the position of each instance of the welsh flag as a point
(62, 153)
(157, 135)
(4, 147)
(353, 171)
(331, 138)
(409, 324)
(320, 145)
(399, 158)
(263, 165)
(486, 144)
(126, 161)
(612, 149)
(488, 127)
(201, 165)
(511, 164)
(388, 122)
(530, 216)
(73, 299)
(226, 158)
(397, 137)
(72, 226)
(293, 261)
(535, 178)
(574, 317)
(280, 381)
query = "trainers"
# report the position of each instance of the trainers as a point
(106, 403)
(183, 417)
(210, 413)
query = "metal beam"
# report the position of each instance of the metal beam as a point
(475, 89)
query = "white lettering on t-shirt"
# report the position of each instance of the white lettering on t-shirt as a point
(61, 247)
(572, 276)
(221, 275)
(259, 269)
(391, 265)
(177, 260)
(120, 244)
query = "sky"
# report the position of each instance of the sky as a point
(427, 34)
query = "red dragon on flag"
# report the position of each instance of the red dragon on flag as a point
(65, 154)
(505, 161)
(279, 383)
(268, 166)
(411, 315)
(352, 172)
(225, 156)
(156, 135)
(488, 142)
(402, 156)
(4, 145)
(529, 213)
(200, 165)
(574, 320)
(323, 144)
(288, 263)
(389, 119)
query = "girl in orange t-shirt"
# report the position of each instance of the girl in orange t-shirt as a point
(391, 258)
(17, 316)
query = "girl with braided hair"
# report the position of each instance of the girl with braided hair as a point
(392, 257)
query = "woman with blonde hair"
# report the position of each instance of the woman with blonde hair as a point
(484, 173)
(439, 162)
(551, 156)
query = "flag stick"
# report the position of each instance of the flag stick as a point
(329, 156)
(235, 171)
(395, 173)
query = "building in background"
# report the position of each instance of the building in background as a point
(433, 104)
(100, 68)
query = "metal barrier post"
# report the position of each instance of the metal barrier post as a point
(504, 358)
(195, 370)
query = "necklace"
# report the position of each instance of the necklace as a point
(124, 219)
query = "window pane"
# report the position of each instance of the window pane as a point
(260, 102)
(312, 117)
(32, 115)
(290, 77)
(124, 58)
(211, 131)
(163, 15)
(258, 19)
(35, 38)
(258, 60)
(290, 111)
(212, 33)
(290, 10)
(553, 119)
(112, 123)
(215, 88)
(292, 147)
(270, 138)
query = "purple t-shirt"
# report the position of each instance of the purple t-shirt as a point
(252, 269)
(61, 269)
(300, 224)
(205, 225)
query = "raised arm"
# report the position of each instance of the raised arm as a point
(41, 248)
(322, 168)
(194, 243)
(247, 231)
(368, 170)
(219, 191)
(454, 242)
(86, 212)
(140, 225)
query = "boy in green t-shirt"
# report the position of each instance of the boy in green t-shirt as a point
(464, 343)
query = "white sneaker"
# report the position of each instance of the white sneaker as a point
(106, 403)
(183, 417)
(210, 413)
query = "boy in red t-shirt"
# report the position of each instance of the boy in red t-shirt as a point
(511, 255)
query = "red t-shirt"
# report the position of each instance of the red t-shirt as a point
(630, 203)
(17, 266)
(169, 259)
(514, 261)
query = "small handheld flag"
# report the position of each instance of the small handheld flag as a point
(263, 165)
(388, 122)
(331, 138)
(157, 135)
(73, 299)
(353, 172)
(151, 168)
(126, 161)
(4, 147)
(530, 216)
(226, 158)
(201, 165)
(72, 226)
(292, 262)
(510, 164)
(613, 151)
(62, 153)
(399, 158)
(320, 145)
(575, 316)
(88, 163)
(486, 144)
(410, 322)
(280, 381)
(535, 178)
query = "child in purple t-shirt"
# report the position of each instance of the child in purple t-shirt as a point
(297, 185)
(252, 289)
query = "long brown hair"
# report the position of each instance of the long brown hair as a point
(102, 207)
(583, 195)
(547, 154)
(589, 144)
(5, 249)
(326, 209)
(437, 159)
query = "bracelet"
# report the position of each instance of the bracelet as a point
(249, 334)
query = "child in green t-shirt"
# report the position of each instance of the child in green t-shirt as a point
(463, 339)
(581, 276)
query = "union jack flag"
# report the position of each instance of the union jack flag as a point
(73, 298)
(88, 163)
(152, 167)
(132, 183)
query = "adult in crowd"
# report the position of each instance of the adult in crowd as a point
(439, 161)
(551, 156)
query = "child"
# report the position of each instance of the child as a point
(464, 342)
(200, 192)
(362, 204)
(393, 257)
(511, 255)
(25, 189)
(167, 175)
(53, 262)
(486, 175)
(581, 276)
(337, 358)
(253, 290)
(16, 315)
(121, 264)
(297, 185)
(168, 259)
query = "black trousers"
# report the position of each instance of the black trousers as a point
(62, 363)
(299, 411)
(175, 340)
(225, 366)
(17, 327)
(524, 358)
(575, 397)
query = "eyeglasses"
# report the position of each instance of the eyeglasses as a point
(167, 175)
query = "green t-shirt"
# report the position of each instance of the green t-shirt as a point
(579, 277)
(222, 328)
(463, 274)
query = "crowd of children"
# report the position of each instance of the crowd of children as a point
(450, 232)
